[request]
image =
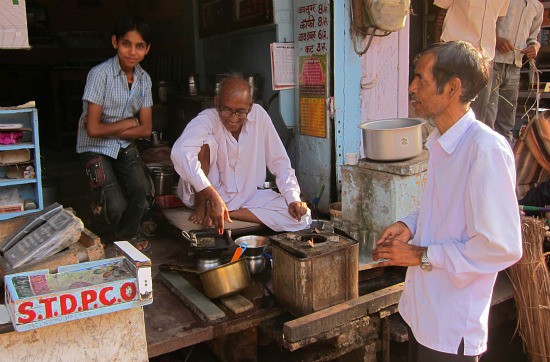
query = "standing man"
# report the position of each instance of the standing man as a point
(517, 34)
(474, 21)
(467, 227)
(222, 156)
(117, 105)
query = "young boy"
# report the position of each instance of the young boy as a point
(116, 106)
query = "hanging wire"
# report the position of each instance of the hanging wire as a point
(534, 74)
(357, 32)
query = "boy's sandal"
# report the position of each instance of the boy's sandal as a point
(140, 243)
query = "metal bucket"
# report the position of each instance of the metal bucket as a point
(162, 176)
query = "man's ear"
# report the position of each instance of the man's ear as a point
(113, 40)
(216, 102)
(454, 86)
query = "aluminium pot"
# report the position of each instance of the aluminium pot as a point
(393, 139)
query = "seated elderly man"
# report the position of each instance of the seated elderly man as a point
(221, 158)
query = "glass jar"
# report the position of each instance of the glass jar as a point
(336, 222)
(354, 231)
(346, 225)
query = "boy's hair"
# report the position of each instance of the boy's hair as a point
(127, 23)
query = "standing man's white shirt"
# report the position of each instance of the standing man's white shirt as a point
(473, 21)
(238, 169)
(468, 244)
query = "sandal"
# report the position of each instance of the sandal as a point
(140, 243)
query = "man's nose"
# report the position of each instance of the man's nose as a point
(230, 118)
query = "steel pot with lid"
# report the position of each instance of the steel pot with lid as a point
(162, 176)
(392, 139)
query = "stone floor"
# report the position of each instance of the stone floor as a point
(68, 186)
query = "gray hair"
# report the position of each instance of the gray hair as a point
(459, 59)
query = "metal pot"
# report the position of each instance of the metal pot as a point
(225, 280)
(161, 90)
(254, 253)
(215, 81)
(392, 139)
(222, 281)
(162, 176)
(257, 83)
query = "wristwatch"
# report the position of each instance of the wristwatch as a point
(425, 263)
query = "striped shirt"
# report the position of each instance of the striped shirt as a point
(107, 86)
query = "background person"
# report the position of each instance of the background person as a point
(116, 106)
(517, 35)
(222, 156)
(474, 21)
(467, 227)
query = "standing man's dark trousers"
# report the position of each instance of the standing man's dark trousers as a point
(419, 353)
(480, 104)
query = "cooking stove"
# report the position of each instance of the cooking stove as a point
(308, 243)
(310, 276)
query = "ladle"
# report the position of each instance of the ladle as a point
(239, 251)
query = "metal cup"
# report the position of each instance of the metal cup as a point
(155, 137)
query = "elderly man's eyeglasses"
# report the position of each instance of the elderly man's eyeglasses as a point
(240, 113)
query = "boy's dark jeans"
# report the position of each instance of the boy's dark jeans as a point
(120, 188)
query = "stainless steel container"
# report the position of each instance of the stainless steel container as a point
(254, 253)
(161, 90)
(193, 84)
(162, 176)
(257, 83)
(392, 139)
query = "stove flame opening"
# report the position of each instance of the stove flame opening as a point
(312, 240)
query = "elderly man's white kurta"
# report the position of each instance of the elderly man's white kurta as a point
(238, 168)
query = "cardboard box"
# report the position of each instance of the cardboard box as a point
(39, 298)
(13, 25)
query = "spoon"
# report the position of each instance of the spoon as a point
(240, 250)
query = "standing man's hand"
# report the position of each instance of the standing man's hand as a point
(398, 231)
(216, 209)
(504, 45)
(530, 51)
(393, 245)
(297, 209)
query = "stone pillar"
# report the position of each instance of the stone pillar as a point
(376, 194)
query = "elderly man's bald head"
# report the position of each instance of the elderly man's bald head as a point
(234, 85)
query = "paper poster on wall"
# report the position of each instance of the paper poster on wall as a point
(312, 47)
(312, 95)
(13, 25)
(282, 65)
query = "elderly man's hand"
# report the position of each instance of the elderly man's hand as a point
(297, 209)
(216, 209)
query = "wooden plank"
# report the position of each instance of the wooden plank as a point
(332, 317)
(237, 303)
(195, 300)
